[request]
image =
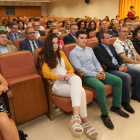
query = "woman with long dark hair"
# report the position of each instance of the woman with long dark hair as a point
(21, 27)
(55, 66)
(92, 24)
(91, 34)
(81, 25)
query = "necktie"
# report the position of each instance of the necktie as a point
(34, 45)
(15, 36)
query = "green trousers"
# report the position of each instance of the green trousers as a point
(113, 80)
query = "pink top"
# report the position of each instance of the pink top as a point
(130, 14)
(61, 42)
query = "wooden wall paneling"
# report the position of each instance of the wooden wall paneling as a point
(2, 11)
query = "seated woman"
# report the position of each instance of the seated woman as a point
(8, 129)
(2, 27)
(55, 31)
(81, 25)
(21, 26)
(92, 24)
(66, 84)
(91, 35)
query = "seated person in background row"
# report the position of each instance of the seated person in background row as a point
(82, 25)
(136, 18)
(14, 34)
(128, 24)
(70, 38)
(90, 34)
(40, 27)
(66, 84)
(31, 20)
(83, 58)
(55, 31)
(92, 24)
(31, 43)
(2, 27)
(4, 47)
(67, 27)
(106, 55)
(137, 24)
(8, 129)
(126, 50)
(136, 39)
(38, 33)
(21, 27)
(116, 26)
(118, 18)
(77, 20)
(103, 27)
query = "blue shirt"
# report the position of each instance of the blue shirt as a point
(114, 61)
(85, 60)
(4, 49)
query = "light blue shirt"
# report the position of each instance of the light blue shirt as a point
(3, 28)
(85, 60)
(4, 49)
(114, 61)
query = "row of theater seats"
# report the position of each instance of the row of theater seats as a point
(30, 95)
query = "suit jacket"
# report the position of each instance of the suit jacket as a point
(69, 39)
(25, 45)
(136, 44)
(115, 33)
(41, 33)
(104, 57)
(11, 37)
(11, 48)
(64, 32)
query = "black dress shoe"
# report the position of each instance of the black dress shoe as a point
(135, 98)
(107, 122)
(120, 112)
(128, 107)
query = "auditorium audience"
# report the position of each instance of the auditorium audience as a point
(14, 34)
(40, 27)
(2, 27)
(106, 55)
(31, 43)
(66, 84)
(137, 24)
(83, 58)
(106, 18)
(49, 24)
(70, 38)
(30, 22)
(121, 22)
(118, 18)
(90, 34)
(77, 20)
(128, 24)
(4, 47)
(135, 20)
(38, 33)
(92, 24)
(67, 27)
(53, 25)
(81, 25)
(21, 26)
(8, 129)
(116, 27)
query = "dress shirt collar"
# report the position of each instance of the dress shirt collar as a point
(31, 41)
(106, 46)
(73, 36)
(80, 48)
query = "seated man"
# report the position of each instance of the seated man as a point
(70, 38)
(116, 26)
(106, 54)
(136, 19)
(103, 27)
(83, 58)
(137, 24)
(31, 43)
(128, 24)
(40, 27)
(4, 48)
(38, 33)
(67, 27)
(126, 50)
(14, 34)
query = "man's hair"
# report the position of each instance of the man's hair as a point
(37, 19)
(30, 19)
(77, 19)
(73, 24)
(101, 22)
(26, 31)
(135, 32)
(33, 23)
(3, 32)
(114, 22)
(80, 32)
(117, 16)
(121, 28)
(131, 7)
(12, 24)
(101, 35)
(66, 21)
(127, 22)
(14, 19)
(136, 17)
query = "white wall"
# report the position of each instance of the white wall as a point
(43, 9)
(78, 8)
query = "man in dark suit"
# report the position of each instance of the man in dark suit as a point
(14, 34)
(38, 33)
(70, 38)
(106, 55)
(31, 43)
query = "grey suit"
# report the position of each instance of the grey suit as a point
(11, 37)
(11, 48)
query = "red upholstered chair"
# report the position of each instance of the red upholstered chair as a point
(42, 38)
(17, 43)
(9, 42)
(46, 31)
(62, 36)
(112, 40)
(61, 102)
(92, 44)
(67, 49)
(27, 98)
(129, 37)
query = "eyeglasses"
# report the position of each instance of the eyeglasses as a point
(31, 33)
(36, 25)
(125, 31)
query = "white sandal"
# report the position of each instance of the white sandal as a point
(90, 131)
(74, 126)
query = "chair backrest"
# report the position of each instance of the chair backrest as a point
(17, 64)
(112, 40)
(17, 43)
(62, 36)
(9, 42)
(92, 44)
(46, 31)
(95, 32)
(60, 29)
(129, 37)
(42, 38)
(68, 48)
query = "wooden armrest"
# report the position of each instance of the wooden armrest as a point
(9, 94)
(104, 67)
(48, 82)
(79, 73)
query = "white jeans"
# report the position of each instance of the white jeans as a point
(73, 89)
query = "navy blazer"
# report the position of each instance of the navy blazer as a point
(69, 39)
(25, 45)
(41, 33)
(11, 37)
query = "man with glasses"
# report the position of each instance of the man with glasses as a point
(31, 43)
(38, 33)
(14, 34)
(116, 26)
(106, 55)
(128, 24)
